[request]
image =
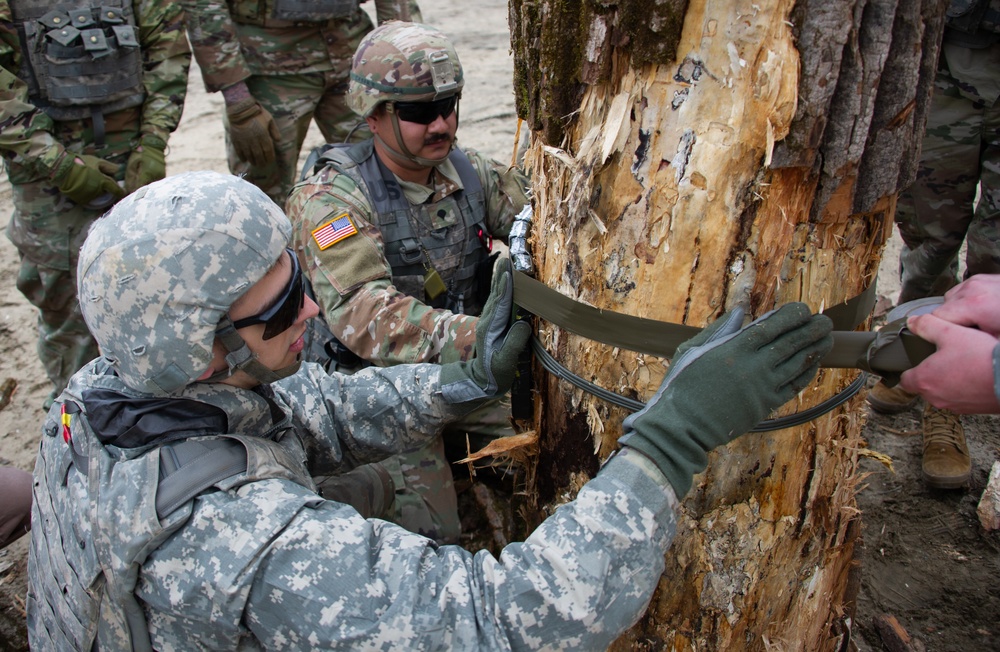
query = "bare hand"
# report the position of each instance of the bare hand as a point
(975, 302)
(959, 375)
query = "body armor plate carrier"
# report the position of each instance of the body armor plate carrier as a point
(80, 58)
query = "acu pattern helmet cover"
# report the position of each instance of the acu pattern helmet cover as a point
(162, 268)
(408, 62)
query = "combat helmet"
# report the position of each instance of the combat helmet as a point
(403, 62)
(408, 62)
(159, 273)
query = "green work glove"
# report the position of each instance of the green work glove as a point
(490, 373)
(252, 132)
(146, 164)
(84, 178)
(726, 380)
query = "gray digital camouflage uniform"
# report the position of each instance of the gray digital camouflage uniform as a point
(265, 563)
(960, 152)
(47, 227)
(296, 70)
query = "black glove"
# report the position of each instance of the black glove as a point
(723, 383)
(499, 339)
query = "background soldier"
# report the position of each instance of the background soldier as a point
(196, 302)
(396, 234)
(281, 64)
(89, 98)
(938, 212)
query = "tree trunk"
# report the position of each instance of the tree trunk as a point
(688, 157)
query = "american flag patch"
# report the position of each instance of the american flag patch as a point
(334, 231)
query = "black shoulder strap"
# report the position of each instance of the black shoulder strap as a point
(189, 467)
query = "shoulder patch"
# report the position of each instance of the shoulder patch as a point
(334, 231)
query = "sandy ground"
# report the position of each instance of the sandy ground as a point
(925, 560)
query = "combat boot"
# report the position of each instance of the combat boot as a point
(946, 463)
(890, 400)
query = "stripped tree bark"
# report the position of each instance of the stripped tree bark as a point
(687, 157)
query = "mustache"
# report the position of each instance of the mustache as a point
(438, 138)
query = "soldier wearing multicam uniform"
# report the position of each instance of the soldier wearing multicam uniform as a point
(938, 212)
(281, 64)
(189, 288)
(91, 92)
(396, 232)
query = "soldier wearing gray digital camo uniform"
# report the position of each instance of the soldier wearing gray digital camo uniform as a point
(189, 288)
(938, 212)
(89, 94)
(280, 65)
(396, 234)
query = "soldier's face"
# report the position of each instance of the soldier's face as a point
(282, 349)
(432, 140)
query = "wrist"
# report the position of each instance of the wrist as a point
(60, 169)
(236, 93)
(155, 142)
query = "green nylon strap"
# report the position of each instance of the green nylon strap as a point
(895, 349)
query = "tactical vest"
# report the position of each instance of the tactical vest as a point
(81, 58)
(459, 253)
(288, 13)
(82, 576)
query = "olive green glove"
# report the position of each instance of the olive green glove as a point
(84, 178)
(252, 132)
(724, 382)
(146, 164)
(490, 373)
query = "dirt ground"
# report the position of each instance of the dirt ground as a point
(925, 561)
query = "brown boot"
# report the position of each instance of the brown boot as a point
(946, 457)
(890, 400)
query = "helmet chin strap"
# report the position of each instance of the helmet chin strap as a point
(241, 358)
(406, 158)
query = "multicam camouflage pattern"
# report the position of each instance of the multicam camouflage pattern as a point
(47, 227)
(353, 281)
(961, 150)
(299, 74)
(153, 291)
(354, 287)
(403, 61)
(265, 563)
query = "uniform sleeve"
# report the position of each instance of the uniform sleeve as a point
(365, 417)
(166, 60)
(352, 281)
(25, 131)
(506, 189)
(215, 41)
(406, 10)
(585, 575)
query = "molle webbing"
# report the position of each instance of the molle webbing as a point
(81, 59)
(405, 249)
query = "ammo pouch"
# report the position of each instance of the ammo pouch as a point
(81, 61)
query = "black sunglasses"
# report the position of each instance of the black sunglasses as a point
(285, 310)
(424, 113)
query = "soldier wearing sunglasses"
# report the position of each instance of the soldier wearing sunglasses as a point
(190, 290)
(396, 235)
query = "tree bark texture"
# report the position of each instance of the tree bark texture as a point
(685, 158)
